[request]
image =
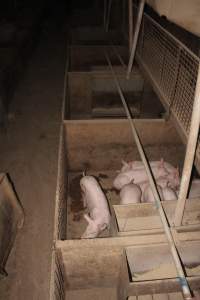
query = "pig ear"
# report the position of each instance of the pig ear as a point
(124, 163)
(88, 219)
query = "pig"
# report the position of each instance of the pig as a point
(173, 179)
(137, 176)
(162, 182)
(133, 165)
(171, 173)
(169, 194)
(166, 194)
(97, 205)
(137, 164)
(130, 193)
(148, 194)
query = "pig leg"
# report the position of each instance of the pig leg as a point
(92, 230)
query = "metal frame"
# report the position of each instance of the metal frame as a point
(171, 242)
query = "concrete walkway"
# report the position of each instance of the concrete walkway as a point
(29, 151)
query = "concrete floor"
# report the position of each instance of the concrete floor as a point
(29, 150)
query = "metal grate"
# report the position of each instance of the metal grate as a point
(61, 204)
(57, 289)
(172, 68)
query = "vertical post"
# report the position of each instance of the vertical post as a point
(135, 39)
(130, 18)
(190, 154)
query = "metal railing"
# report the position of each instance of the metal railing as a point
(173, 70)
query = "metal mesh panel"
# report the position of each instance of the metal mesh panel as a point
(60, 209)
(172, 68)
(57, 291)
(185, 89)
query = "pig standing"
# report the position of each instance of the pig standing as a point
(130, 193)
(96, 202)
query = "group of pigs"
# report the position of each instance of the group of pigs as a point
(134, 187)
(133, 183)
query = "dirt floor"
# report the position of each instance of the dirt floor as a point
(29, 150)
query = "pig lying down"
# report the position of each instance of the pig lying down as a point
(133, 183)
(130, 193)
(135, 172)
(94, 199)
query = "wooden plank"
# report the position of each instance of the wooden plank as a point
(161, 286)
(140, 223)
(145, 297)
(160, 297)
(135, 217)
(175, 296)
(82, 258)
(150, 263)
(109, 141)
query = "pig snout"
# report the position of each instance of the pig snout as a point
(130, 193)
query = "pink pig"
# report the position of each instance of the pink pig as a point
(166, 194)
(138, 164)
(148, 194)
(96, 202)
(137, 176)
(130, 193)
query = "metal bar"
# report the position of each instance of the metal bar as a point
(130, 19)
(108, 14)
(118, 55)
(177, 262)
(190, 154)
(135, 39)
